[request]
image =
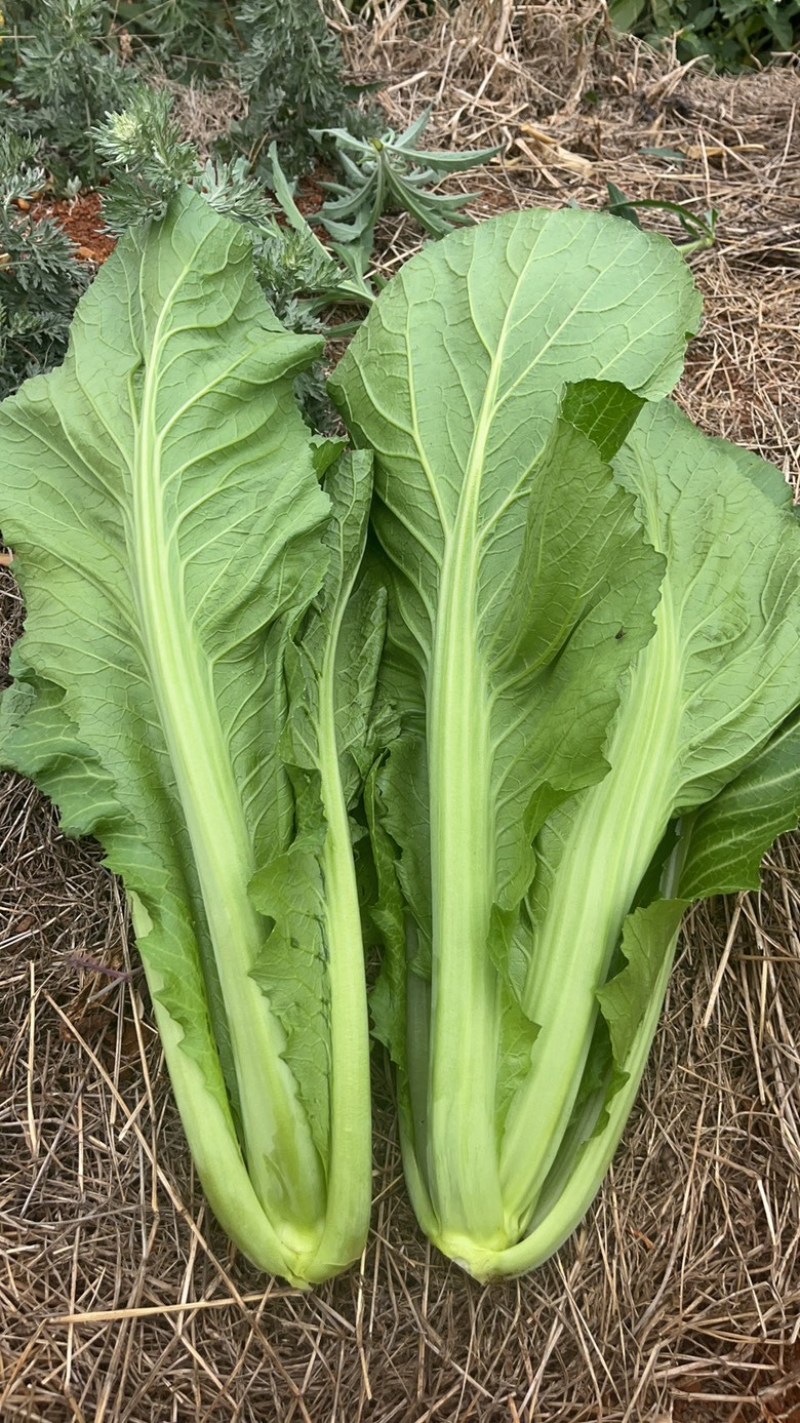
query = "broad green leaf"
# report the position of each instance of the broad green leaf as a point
(39, 740)
(729, 618)
(169, 531)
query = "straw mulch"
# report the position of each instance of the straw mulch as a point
(679, 1297)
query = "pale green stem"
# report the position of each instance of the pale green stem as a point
(281, 1158)
(199, 1092)
(349, 1187)
(615, 833)
(583, 1183)
(461, 1149)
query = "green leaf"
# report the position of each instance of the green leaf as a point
(647, 936)
(625, 13)
(349, 627)
(731, 834)
(621, 206)
(604, 411)
(290, 970)
(334, 732)
(725, 520)
(387, 1001)
(442, 162)
(669, 155)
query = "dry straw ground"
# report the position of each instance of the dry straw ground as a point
(679, 1297)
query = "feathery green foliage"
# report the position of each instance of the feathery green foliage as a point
(192, 38)
(40, 279)
(67, 76)
(290, 71)
(148, 162)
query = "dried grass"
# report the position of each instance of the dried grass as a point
(680, 1296)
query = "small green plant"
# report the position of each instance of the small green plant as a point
(701, 228)
(40, 279)
(142, 148)
(148, 160)
(730, 34)
(389, 174)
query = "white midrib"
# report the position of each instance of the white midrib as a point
(281, 1158)
(462, 1144)
(350, 1156)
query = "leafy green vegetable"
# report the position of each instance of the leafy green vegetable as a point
(593, 647)
(179, 693)
(594, 641)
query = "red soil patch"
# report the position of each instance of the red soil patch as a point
(310, 195)
(82, 220)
